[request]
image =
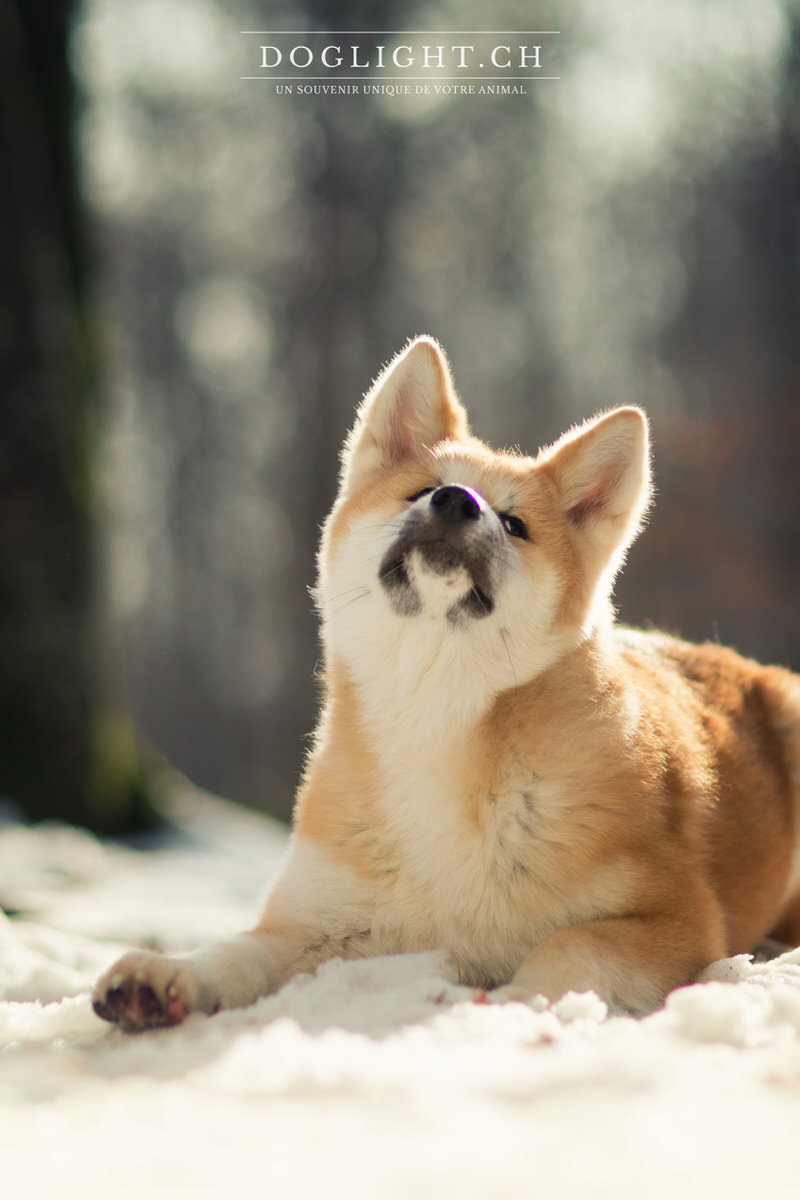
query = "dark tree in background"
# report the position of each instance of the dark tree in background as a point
(65, 751)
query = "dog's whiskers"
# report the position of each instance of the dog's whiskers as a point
(361, 592)
(361, 596)
(476, 592)
(507, 648)
(395, 566)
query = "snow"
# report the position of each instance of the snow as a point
(374, 1079)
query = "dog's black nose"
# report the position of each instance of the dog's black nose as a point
(454, 503)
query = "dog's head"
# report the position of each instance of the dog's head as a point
(440, 550)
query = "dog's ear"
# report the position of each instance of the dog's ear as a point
(601, 474)
(411, 405)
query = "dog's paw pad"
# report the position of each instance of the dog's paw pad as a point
(148, 1006)
(142, 993)
(174, 1005)
(102, 1010)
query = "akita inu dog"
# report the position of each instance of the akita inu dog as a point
(498, 770)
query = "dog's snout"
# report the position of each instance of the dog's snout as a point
(454, 503)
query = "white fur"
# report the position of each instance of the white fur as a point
(417, 673)
(319, 894)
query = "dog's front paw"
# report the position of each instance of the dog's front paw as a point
(148, 991)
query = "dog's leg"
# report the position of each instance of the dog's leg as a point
(318, 909)
(631, 962)
(144, 990)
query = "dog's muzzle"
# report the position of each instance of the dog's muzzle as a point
(451, 531)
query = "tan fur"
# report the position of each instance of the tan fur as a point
(561, 803)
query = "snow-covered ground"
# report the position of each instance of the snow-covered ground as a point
(375, 1079)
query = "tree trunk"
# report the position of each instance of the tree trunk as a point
(64, 752)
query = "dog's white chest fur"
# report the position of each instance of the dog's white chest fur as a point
(459, 883)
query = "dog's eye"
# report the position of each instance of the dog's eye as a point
(418, 495)
(514, 526)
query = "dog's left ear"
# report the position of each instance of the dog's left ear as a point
(601, 473)
(411, 405)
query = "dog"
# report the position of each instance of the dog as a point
(499, 769)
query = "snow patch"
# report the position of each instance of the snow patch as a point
(376, 1078)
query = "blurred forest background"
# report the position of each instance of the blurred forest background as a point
(200, 279)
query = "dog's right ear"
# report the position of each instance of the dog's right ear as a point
(412, 404)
